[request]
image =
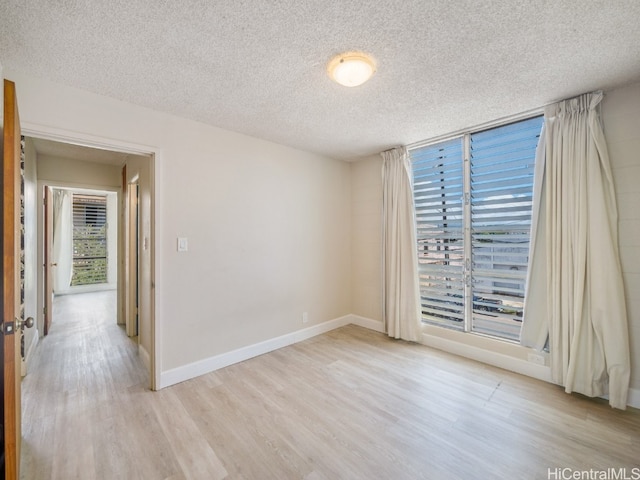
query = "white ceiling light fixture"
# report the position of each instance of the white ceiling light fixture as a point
(351, 69)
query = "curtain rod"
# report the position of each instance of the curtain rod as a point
(393, 148)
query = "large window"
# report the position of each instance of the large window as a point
(473, 197)
(89, 239)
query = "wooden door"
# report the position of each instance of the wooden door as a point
(11, 365)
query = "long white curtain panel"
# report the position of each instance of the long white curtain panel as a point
(575, 293)
(401, 295)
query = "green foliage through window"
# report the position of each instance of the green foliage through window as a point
(89, 239)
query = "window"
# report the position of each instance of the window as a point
(89, 239)
(473, 197)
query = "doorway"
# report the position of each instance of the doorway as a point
(81, 236)
(89, 171)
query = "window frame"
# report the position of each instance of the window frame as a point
(89, 238)
(465, 137)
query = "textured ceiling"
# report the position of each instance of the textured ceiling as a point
(258, 66)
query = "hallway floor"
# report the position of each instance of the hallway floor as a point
(82, 389)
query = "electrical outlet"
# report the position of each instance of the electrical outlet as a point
(537, 359)
(305, 317)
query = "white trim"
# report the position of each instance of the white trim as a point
(364, 322)
(155, 173)
(504, 361)
(75, 187)
(500, 360)
(84, 139)
(144, 356)
(507, 362)
(95, 287)
(207, 365)
(536, 112)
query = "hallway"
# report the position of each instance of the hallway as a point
(81, 388)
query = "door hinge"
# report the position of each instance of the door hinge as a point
(8, 328)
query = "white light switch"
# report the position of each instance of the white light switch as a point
(183, 244)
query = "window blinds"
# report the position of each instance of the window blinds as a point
(473, 220)
(502, 170)
(438, 193)
(89, 239)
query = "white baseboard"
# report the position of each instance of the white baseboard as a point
(367, 323)
(201, 367)
(507, 362)
(144, 355)
(489, 357)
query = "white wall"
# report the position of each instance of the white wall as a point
(621, 121)
(366, 250)
(621, 117)
(269, 227)
(269, 238)
(76, 173)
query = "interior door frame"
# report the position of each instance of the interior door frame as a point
(47, 265)
(132, 269)
(47, 188)
(155, 242)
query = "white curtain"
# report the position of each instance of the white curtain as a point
(401, 289)
(575, 294)
(62, 254)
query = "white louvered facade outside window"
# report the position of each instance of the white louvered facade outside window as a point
(473, 198)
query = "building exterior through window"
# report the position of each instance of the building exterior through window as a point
(473, 198)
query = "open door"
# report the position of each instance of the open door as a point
(48, 265)
(133, 260)
(11, 326)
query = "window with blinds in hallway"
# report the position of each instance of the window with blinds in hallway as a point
(473, 199)
(89, 239)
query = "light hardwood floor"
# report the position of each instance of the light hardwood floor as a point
(350, 404)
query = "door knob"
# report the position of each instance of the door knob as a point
(28, 323)
(54, 264)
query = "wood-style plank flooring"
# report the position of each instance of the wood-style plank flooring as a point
(350, 404)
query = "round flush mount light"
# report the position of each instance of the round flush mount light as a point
(351, 69)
